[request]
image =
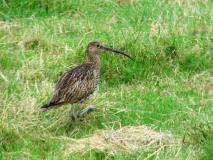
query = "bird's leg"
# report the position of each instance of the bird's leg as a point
(72, 113)
(81, 113)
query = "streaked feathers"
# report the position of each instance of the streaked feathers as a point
(75, 85)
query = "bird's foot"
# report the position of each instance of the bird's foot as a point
(85, 111)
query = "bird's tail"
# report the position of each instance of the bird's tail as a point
(50, 105)
(46, 107)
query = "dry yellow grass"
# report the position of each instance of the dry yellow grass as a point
(127, 139)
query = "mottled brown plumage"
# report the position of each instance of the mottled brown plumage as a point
(78, 83)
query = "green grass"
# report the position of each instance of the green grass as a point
(169, 86)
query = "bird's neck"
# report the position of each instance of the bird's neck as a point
(94, 59)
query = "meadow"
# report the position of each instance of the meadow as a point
(169, 86)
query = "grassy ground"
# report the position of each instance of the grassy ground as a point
(169, 87)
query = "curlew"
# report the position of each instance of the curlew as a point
(77, 84)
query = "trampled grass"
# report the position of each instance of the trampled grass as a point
(169, 87)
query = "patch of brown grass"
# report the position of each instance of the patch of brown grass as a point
(127, 139)
(30, 43)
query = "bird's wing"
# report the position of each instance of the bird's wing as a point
(69, 82)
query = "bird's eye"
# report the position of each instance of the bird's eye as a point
(98, 45)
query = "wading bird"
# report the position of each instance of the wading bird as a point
(78, 83)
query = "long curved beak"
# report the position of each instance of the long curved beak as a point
(116, 51)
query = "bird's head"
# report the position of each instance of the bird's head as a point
(95, 48)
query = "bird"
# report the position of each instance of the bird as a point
(78, 83)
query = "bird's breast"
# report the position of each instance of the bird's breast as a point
(96, 74)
